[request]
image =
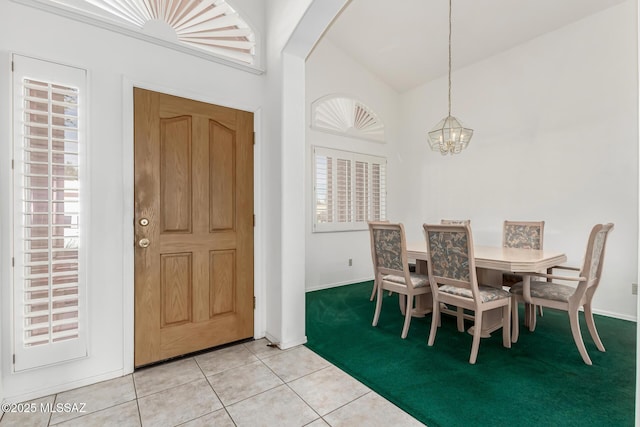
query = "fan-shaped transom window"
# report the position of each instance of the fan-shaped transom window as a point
(210, 28)
(347, 116)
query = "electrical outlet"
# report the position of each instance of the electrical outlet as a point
(350, 262)
(634, 289)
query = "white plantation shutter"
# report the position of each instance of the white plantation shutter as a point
(362, 190)
(49, 285)
(323, 189)
(349, 189)
(378, 191)
(343, 193)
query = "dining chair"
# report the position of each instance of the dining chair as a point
(523, 235)
(452, 274)
(570, 298)
(459, 311)
(391, 267)
(375, 279)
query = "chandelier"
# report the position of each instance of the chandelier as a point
(449, 136)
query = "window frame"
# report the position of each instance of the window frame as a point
(354, 157)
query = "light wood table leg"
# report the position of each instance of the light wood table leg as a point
(421, 266)
(424, 302)
(424, 305)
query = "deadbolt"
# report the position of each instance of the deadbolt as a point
(144, 222)
(144, 243)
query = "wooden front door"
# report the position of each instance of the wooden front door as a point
(193, 226)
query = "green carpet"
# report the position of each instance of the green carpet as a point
(540, 381)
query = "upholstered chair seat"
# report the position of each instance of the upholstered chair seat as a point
(418, 280)
(546, 290)
(487, 293)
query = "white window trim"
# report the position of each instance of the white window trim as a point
(353, 156)
(40, 356)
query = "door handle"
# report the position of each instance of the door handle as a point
(144, 243)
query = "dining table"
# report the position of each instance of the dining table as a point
(491, 262)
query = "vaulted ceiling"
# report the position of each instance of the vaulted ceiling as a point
(404, 42)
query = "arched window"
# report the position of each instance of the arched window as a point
(346, 116)
(211, 29)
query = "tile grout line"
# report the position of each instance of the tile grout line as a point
(135, 391)
(51, 414)
(224, 407)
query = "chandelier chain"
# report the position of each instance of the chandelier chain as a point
(449, 57)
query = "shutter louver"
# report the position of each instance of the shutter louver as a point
(47, 238)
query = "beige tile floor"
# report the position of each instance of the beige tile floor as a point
(249, 384)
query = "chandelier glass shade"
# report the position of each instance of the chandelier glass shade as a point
(449, 136)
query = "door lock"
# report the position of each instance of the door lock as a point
(144, 222)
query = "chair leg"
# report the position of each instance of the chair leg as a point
(540, 311)
(374, 290)
(460, 318)
(376, 315)
(588, 315)
(506, 325)
(435, 322)
(577, 336)
(402, 301)
(407, 316)
(532, 317)
(515, 327)
(477, 330)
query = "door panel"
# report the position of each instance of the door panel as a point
(194, 184)
(222, 173)
(222, 282)
(175, 175)
(175, 289)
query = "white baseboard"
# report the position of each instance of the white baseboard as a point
(285, 345)
(291, 344)
(335, 285)
(615, 315)
(41, 392)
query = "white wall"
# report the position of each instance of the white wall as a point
(329, 71)
(556, 139)
(281, 18)
(112, 60)
(308, 31)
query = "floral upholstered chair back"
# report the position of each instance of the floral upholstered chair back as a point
(592, 267)
(455, 221)
(450, 252)
(387, 241)
(523, 234)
